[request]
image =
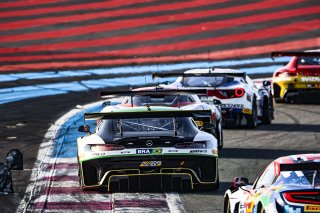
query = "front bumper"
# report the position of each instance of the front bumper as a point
(127, 174)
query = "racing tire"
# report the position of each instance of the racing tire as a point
(276, 94)
(219, 135)
(261, 209)
(267, 111)
(80, 179)
(252, 120)
(226, 205)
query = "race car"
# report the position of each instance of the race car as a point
(233, 90)
(171, 97)
(289, 184)
(147, 148)
(299, 80)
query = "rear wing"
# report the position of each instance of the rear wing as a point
(160, 91)
(299, 54)
(148, 114)
(208, 74)
(296, 167)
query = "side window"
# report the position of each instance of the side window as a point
(266, 179)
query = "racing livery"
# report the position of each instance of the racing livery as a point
(299, 80)
(233, 90)
(147, 148)
(171, 97)
(289, 184)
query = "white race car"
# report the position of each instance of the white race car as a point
(171, 97)
(233, 90)
(147, 148)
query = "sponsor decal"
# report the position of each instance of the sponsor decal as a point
(149, 151)
(99, 154)
(246, 111)
(286, 79)
(312, 208)
(233, 106)
(150, 163)
(249, 98)
(314, 79)
(199, 123)
(125, 152)
(313, 85)
(198, 151)
(172, 150)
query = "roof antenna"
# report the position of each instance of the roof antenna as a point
(131, 96)
(208, 51)
(158, 72)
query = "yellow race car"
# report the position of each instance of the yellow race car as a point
(299, 80)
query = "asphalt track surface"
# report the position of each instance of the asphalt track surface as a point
(246, 152)
(32, 40)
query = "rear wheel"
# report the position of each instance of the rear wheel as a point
(219, 135)
(252, 120)
(267, 110)
(276, 94)
(80, 178)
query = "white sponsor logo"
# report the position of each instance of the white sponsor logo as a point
(233, 106)
(314, 79)
(199, 151)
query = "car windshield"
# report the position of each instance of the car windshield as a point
(143, 124)
(166, 100)
(113, 129)
(205, 81)
(304, 178)
(309, 61)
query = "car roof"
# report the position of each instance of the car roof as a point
(142, 109)
(292, 159)
(214, 70)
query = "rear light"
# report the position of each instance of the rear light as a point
(106, 147)
(225, 94)
(212, 117)
(191, 145)
(303, 197)
(239, 92)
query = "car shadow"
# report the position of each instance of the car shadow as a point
(245, 153)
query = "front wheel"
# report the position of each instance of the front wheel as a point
(261, 209)
(226, 205)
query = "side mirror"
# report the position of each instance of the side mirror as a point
(15, 159)
(266, 83)
(106, 103)
(216, 102)
(240, 181)
(84, 128)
